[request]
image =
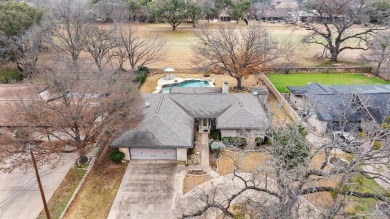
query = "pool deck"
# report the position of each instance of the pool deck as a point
(176, 80)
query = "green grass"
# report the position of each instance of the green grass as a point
(10, 76)
(366, 185)
(64, 192)
(281, 81)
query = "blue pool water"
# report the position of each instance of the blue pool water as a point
(190, 83)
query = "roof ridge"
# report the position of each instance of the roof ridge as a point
(177, 135)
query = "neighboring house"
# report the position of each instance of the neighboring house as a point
(224, 15)
(281, 10)
(331, 107)
(171, 120)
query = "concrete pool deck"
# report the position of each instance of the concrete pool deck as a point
(176, 80)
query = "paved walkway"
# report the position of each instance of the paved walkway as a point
(19, 193)
(146, 191)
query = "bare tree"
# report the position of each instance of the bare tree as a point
(237, 52)
(69, 37)
(99, 44)
(334, 25)
(296, 169)
(379, 52)
(140, 49)
(76, 108)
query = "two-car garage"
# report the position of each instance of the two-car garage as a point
(152, 154)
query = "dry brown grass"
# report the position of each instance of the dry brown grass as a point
(98, 192)
(247, 162)
(191, 181)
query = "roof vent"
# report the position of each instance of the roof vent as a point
(147, 104)
(255, 93)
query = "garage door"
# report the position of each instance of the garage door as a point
(152, 154)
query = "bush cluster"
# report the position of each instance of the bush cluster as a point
(234, 141)
(142, 74)
(215, 135)
(117, 156)
(10, 76)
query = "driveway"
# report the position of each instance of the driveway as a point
(19, 193)
(146, 191)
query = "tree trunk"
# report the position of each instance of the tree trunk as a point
(239, 82)
(193, 23)
(333, 56)
(173, 27)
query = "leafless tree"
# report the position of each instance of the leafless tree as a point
(99, 44)
(140, 49)
(296, 169)
(237, 52)
(334, 25)
(76, 107)
(379, 52)
(69, 38)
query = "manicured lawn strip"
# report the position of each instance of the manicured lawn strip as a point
(98, 192)
(64, 192)
(281, 81)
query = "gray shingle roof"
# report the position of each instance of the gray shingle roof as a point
(169, 119)
(332, 101)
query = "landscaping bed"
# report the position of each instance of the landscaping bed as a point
(97, 194)
(281, 81)
(64, 192)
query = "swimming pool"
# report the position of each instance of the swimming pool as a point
(189, 83)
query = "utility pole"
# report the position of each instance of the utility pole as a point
(40, 184)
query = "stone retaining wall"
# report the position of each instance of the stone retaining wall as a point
(290, 111)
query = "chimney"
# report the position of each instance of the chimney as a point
(225, 88)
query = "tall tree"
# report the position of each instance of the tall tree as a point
(239, 9)
(17, 18)
(379, 52)
(140, 49)
(99, 44)
(333, 25)
(77, 108)
(173, 11)
(239, 53)
(194, 11)
(69, 37)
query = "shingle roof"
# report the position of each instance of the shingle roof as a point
(169, 120)
(332, 101)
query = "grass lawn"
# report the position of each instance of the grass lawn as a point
(96, 196)
(281, 81)
(10, 76)
(62, 195)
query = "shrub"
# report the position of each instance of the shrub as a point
(234, 141)
(116, 156)
(215, 135)
(141, 77)
(259, 141)
(377, 145)
(217, 147)
(143, 69)
(10, 76)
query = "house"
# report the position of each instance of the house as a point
(224, 15)
(333, 107)
(171, 120)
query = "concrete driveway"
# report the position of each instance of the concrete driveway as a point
(19, 193)
(146, 191)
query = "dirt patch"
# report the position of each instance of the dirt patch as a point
(95, 198)
(191, 181)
